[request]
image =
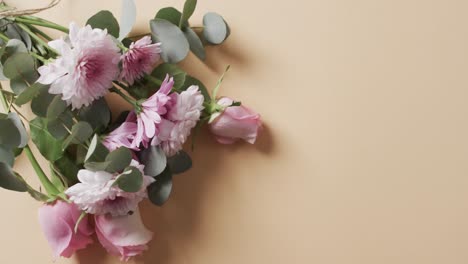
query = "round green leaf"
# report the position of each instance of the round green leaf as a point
(40, 103)
(14, 46)
(48, 145)
(154, 160)
(196, 45)
(97, 166)
(130, 180)
(10, 180)
(56, 107)
(119, 159)
(22, 66)
(174, 45)
(21, 130)
(80, 132)
(173, 70)
(98, 114)
(215, 28)
(160, 190)
(10, 136)
(105, 20)
(60, 127)
(170, 14)
(7, 156)
(28, 94)
(180, 162)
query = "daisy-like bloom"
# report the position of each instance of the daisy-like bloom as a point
(95, 194)
(139, 59)
(182, 117)
(122, 136)
(151, 111)
(86, 67)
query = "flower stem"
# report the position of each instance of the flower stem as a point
(218, 84)
(49, 187)
(124, 96)
(153, 79)
(40, 22)
(40, 32)
(4, 37)
(36, 38)
(39, 57)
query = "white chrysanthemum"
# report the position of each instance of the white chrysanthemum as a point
(96, 195)
(182, 118)
(86, 67)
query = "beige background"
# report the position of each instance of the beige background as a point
(365, 155)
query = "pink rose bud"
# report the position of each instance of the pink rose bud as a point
(58, 222)
(123, 236)
(235, 122)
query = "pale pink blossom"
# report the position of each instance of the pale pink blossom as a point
(96, 193)
(139, 59)
(122, 136)
(86, 67)
(58, 222)
(125, 236)
(151, 111)
(234, 123)
(183, 115)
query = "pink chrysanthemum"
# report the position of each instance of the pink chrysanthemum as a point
(122, 136)
(96, 193)
(182, 117)
(151, 111)
(139, 59)
(87, 65)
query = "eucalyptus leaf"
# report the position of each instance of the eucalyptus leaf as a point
(105, 20)
(10, 180)
(40, 103)
(9, 133)
(180, 162)
(28, 94)
(20, 67)
(14, 46)
(21, 130)
(130, 180)
(18, 85)
(189, 8)
(67, 169)
(48, 145)
(119, 159)
(92, 147)
(96, 152)
(215, 28)
(128, 18)
(97, 166)
(170, 14)
(160, 190)
(80, 132)
(154, 160)
(174, 45)
(56, 107)
(98, 114)
(7, 156)
(60, 127)
(196, 45)
(172, 70)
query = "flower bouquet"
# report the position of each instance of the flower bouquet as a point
(101, 167)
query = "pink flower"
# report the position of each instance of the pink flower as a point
(235, 122)
(151, 111)
(124, 236)
(122, 136)
(139, 59)
(58, 222)
(182, 117)
(87, 65)
(96, 193)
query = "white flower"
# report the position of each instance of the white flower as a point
(86, 67)
(95, 194)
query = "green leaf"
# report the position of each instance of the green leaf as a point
(40, 103)
(97, 152)
(21, 65)
(10, 180)
(189, 81)
(196, 45)
(154, 160)
(68, 169)
(13, 46)
(21, 130)
(128, 18)
(60, 127)
(119, 159)
(97, 166)
(170, 14)
(105, 20)
(180, 162)
(189, 8)
(80, 132)
(48, 145)
(215, 28)
(56, 107)
(98, 114)
(174, 45)
(173, 70)
(130, 180)
(9, 134)
(92, 147)
(160, 190)
(7, 156)
(28, 94)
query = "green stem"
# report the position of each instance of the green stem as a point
(41, 22)
(39, 57)
(40, 32)
(49, 187)
(153, 79)
(4, 37)
(124, 96)
(215, 90)
(36, 37)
